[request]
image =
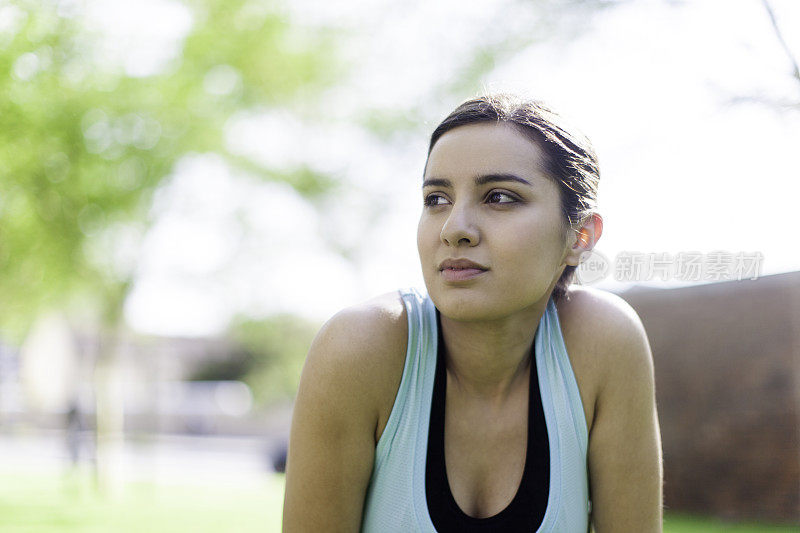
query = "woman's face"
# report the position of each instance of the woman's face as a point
(488, 201)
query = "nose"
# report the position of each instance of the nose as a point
(459, 228)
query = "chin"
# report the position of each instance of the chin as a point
(465, 305)
(482, 303)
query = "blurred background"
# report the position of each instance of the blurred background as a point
(189, 189)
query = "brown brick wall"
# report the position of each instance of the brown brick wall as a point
(726, 360)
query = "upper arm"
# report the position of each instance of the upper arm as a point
(625, 469)
(332, 440)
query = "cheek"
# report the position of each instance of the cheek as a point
(425, 237)
(532, 251)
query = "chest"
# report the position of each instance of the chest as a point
(485, 453)
(486, 448)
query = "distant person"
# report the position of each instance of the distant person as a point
(504, 399)
(75, 427)
(277, 458)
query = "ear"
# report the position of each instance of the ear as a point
(584, 239)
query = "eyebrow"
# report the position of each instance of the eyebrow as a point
(480, 180)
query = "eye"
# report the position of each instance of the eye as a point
(498, 197)
(435, 199)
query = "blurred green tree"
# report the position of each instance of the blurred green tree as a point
(84, 145)
(277, 346)
(268, 355)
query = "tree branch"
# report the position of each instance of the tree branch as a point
(779, 35)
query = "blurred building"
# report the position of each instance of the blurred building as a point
(166, 411)
(727, 364)
(153, 378)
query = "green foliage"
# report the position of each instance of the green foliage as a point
(272, 351)
(389, 124)
(83, 145)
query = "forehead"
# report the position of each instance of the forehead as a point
(485, 148)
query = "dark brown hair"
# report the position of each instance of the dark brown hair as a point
(569, 157)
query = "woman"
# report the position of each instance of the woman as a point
(505, 400)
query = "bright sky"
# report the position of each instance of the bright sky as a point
(652, 83)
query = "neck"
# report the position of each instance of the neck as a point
(489, 359)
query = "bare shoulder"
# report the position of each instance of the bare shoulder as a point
(365, 331)
(365, 334)
(361, 350)
(346, 380)
(599, 314)
(605, 340)
(624, 455)
(606, 323)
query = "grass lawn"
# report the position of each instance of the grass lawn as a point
(52, 504)
(36, 504)
(677, 523)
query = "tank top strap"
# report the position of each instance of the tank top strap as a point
(560, 371)
(569, 506)
(413, 399)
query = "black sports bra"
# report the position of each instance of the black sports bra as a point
(527, 508)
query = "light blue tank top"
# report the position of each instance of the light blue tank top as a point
(395, 500)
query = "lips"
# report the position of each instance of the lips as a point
(460, 264)
(460, 269)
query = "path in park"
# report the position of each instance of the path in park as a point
(151, 458)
